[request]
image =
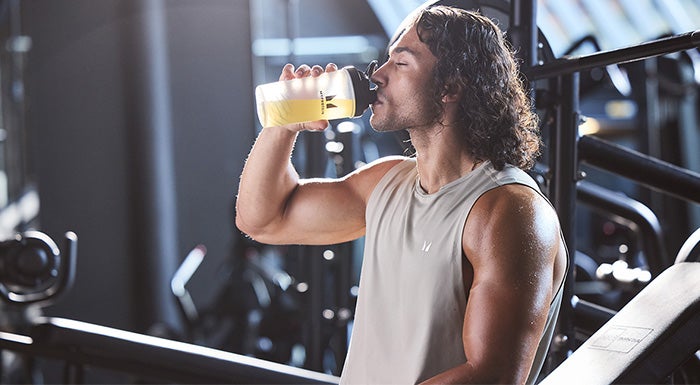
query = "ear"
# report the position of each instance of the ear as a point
(452, 94)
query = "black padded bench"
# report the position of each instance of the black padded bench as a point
(79, 343)
(651, 336)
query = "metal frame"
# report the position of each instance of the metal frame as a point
(81, 344)
(567, 149)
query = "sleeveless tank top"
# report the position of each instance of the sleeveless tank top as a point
(411, 303)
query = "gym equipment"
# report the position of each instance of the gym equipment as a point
(646, 340)
(83, 342)
(635, 214)
(80, 343)
(567, 149)
(690, 251)
(32, 270)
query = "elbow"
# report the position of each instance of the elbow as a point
(246, 221)
(242, 226)
(254, 232)
(258, 233)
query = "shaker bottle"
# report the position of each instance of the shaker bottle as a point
(338, 94)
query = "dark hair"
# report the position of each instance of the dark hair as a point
(498, 121)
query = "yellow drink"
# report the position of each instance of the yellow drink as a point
(282, 112)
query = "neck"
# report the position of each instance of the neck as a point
(441, 156)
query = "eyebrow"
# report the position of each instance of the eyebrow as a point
(400, 49)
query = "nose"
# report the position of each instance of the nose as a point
(378, 76)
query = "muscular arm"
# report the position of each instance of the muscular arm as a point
(512, 241)
(275, 206)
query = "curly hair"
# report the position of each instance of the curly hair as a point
(476, 62)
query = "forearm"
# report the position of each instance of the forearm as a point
(461, 374)
(267, 181)
(469, 374)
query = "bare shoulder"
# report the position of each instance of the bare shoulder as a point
(515, 204)
(516, 197)
(512, 220)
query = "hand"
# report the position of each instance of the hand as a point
(288, 73)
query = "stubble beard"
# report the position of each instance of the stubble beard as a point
(381, 124)
(412, 117)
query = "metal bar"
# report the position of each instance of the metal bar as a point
(564, 167)
(73, 373)
(154, 230)
(590, 316)
(84, 344)
(523, 30)
(623, 55)
(649, 171)
(648, 225)
(313, 262)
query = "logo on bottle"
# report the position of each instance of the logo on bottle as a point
(325, 102)
(330, 105)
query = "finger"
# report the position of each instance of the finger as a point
(330, 67)
(287, 72)
(316, 70)
(317, 125)
(302, 71)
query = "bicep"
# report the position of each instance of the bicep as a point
(323, 212)
(502, 326)
(512, 287)
(329, 211)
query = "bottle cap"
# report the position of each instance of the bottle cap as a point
(365, 94)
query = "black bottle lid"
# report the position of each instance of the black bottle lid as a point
(365, 94)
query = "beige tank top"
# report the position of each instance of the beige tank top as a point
(411, 304)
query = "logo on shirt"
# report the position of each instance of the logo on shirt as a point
(426, 246)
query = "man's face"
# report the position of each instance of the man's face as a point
(404, 86)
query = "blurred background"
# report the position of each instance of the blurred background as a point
(128, 122)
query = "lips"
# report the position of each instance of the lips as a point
(379, 100)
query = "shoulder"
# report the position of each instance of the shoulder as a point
(365, 179)
(511, 219)
(512, 199)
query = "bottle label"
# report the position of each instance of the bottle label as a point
(282, 112)
(326, 97)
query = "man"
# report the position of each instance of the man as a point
(464, 262)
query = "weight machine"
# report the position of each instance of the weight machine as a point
(672, 328)
(33, 271)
